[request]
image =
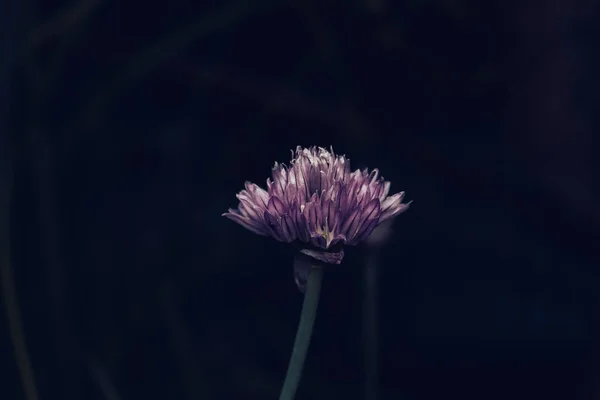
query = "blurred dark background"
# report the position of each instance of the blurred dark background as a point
(128, 127)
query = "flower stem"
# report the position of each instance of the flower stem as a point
(302, 341)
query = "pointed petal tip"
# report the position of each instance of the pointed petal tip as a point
(404, 206)
(229, 212)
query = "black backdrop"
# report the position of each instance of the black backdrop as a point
(133, 124)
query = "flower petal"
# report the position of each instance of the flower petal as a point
(273, 225)
(368, 220)
(280, 180)
(365, 231)
(385, 189)
(257, 194)
(363, 221)
(345, 200)
(291, 191)
(351, 222)
(392, 206)
(276, 206)
(330, 214)
(394, 211)
(300, 220)
(318, 199)
(312, 212)
(251, 210)
(252, 225)
(373, 176)
(289, 228)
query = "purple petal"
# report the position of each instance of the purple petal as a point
(276, 206)
(250, 209)
(330, 214)
(377, 188)
(249, 198)
(300, 220)
(336, 195)
(318, 199)
(345, 201)
(365, 231)
(373, 176)
(363, 195)
(392, 200)
(394, 211)
(385, 189)
(371, 215)
(302, 181)
(280, 179)
(291, 191)
(351, 223)
(314, 179)
(289, 228)
(312, 211)
(392, 206)
(367, 221)
(338, 170)
(352, 184)
(251, 225)
(273, 225)
(257, 194)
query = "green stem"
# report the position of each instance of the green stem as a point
(307, 319)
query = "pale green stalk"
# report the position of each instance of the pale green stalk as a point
(307, 319)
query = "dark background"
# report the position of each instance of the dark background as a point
(128, 127)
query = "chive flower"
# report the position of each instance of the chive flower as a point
(318, 203)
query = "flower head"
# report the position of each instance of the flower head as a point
(319, 202)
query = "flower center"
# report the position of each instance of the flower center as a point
(326, 233)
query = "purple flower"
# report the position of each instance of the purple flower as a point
(318, 202)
